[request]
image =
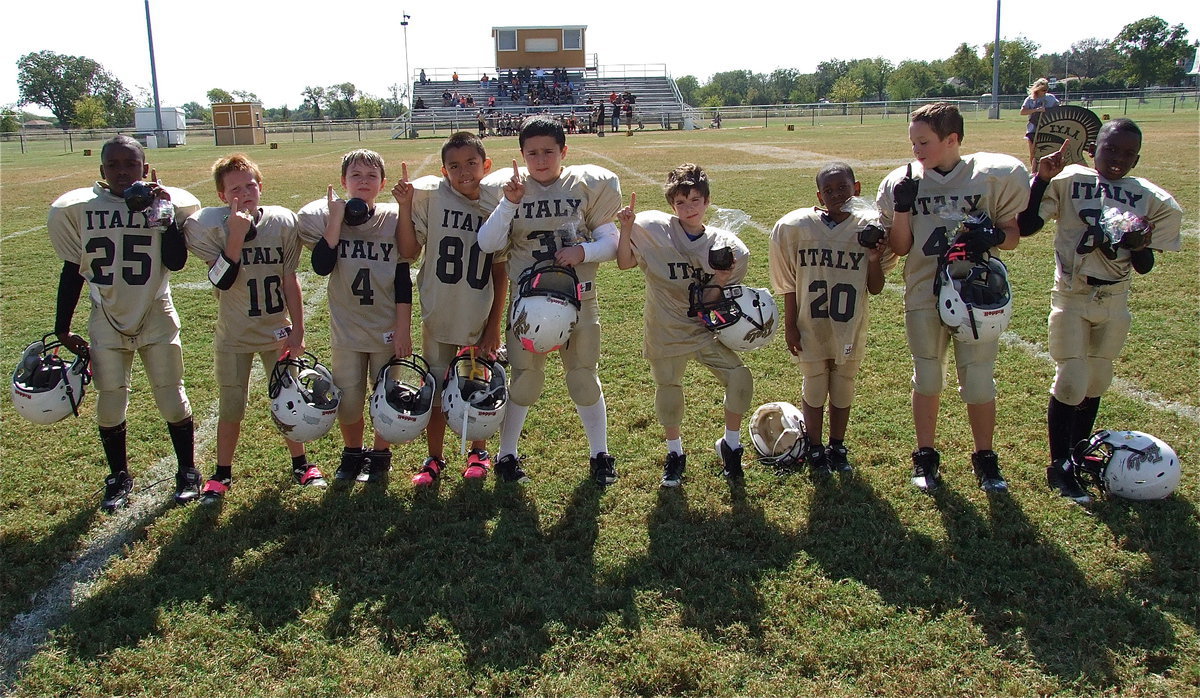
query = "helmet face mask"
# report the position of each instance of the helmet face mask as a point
(1127, 464)
(46, 389)
(743, 318)
(778, 434)
(974, 296)
(546, 308)
(304, 400)
(475, 396)
(402, 401)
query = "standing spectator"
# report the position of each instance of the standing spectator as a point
(423, 79)
(1038, 101)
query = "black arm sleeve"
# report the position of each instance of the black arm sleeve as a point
(174, 249)
(403, 284)
(1028, 221)
(1142, 260)
(323, 258)
(70, 283)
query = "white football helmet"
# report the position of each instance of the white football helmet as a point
(742, 317)
(546, 307)
(304, 400)
(403, 399)
(475, 396)
(777, 431)
(45, 389)
(1128, 464)
(974, 296)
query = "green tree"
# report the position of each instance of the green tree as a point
(196, 110)
(218, 96)
(368, 107)
(828, 73)
(1017, 63)
(90, 112)
(966, 65)
(872, 74)
(9, 122)
(246, 96)
(847, 89)
(804, 90)
(688, 87)
(57, 81)
(314, 99)
(1153, 52)
(1090, 58)
(912, 79)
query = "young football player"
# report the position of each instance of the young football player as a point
(919, 203)
(461, 288)
(122, 239)
(549, 212)
(1109, 225)
(370, 299)
(252, 252)
(825, 262)
(677, 252)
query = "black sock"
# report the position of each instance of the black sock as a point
(299, 461)
(224, 472)
(1059, 419)
(838, 443)
(183, 439)
(113, 440)
(1085, 419)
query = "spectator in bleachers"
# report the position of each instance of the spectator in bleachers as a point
(454, 77)
(447, 97)
(422, 79)
(420, 104)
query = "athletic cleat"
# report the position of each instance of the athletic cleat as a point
(478, 464)
(838, 459)
(818, 462)
(509, 469)
(430, 472)
(673, 469)
(308, 475)
(214, 490)
(925, 469)
(731, 459)
(1060, 476)
(987, 471)
(378, 465)
(187, 486)
(351, 466)
(117, 489)
(604, 469)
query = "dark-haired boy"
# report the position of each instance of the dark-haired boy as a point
(370, 300)
(252, 252)
(1089, 305)
(461, 288)
(127, 257)
(825, 274)
(919, 204)
(564, 214)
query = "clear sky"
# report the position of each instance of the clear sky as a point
(276, 48)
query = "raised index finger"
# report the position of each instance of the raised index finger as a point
(154, 176)
(329, 194)
(633, 200)
(1063, 149)
(516, 170)
(404, 171)
(909, 175)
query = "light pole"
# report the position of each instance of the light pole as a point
(158, 134)
(994, 111)
(407, 75)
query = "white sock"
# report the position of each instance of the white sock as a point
(733, 437)
(595, 425)
(510, 430)
(675, 446)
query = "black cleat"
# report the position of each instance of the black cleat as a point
(925, 469)
(673, 469)
(117, 488)
(1060, 476)
(818, 462)
(838, 458)
(187, 486)
(604, 469)
(731, 459)
(509, 469)
(375, 471)
(986, 465)
(351, 466)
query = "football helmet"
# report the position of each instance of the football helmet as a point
(403, 399)
(1128, 464)
(742, 317)
(45, 388)
(546, 307)
(475, 395)
(304, 400)
(777, 432)
(974, 296)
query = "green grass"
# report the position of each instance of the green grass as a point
(780, 587)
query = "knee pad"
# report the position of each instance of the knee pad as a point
(111, 406)
(976, 383)
(1071, 381)
(172, 403)
(232, 403)
(668, 405)
(525, 385)
(841, 390)
(350, 409)
(929, 376)
(739, 391)
(583, 385)
(1100, 376)
(815, 388)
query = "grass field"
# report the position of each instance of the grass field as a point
(782, 586)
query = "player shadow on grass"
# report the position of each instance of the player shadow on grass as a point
(32, 560)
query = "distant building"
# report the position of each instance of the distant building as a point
(540, 47)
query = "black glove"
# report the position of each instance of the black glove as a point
(720, 258)
(904, 194)
(870, 236)
(981, 239)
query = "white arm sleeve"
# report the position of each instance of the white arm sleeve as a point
(604, 247)
(494, 234)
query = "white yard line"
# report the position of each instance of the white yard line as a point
(75, 579)
(22, 232)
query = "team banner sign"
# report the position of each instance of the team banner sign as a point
(1060, 123)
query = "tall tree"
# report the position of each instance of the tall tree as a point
(1091, 58)
(1153, 51)
(872, 74)
(966, 65)
(89, 113)
(218, 96)
(688, 87)
(57, 82)
(1017, 63)
(314, 99)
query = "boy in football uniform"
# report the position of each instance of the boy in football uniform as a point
(1089, 305)
(370, 299)
(920, 203)
(676, 253)
(126, 250)
(549, 212)
(252, 252)
(825, 270)
(461, 288)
